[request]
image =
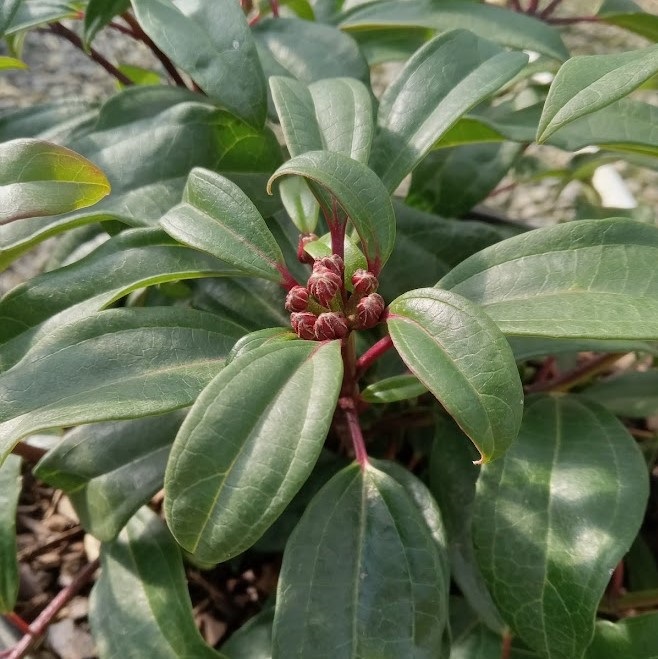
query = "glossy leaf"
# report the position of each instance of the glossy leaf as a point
(147, 139)
(343, 108)
(7, 11)
(298, 49)
(451, 181)
(394, 389)
(512, 29)
(628, 15)
(39, 178)
(630, 394)
(262, 420)
(10, 489)
(260, 338)
(387, 595)
(116, 364)
(553, 518)
(218, 218)
(433, 244)
(357, 190)
(459, 354)
(633, 637)
(98, 13)
(582, 279)
(589, 83)
(143, 583)
(222, 60)
(443, 80)
(296, 111)
(300, 204)
(130, 260)
(32, 13)
(452, 482)
(109, 470)
(527, 347)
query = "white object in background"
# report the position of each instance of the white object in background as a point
(612, 189)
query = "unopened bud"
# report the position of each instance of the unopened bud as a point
(369, 310)
(332, 263)
(323, 286)
(297, 299)
(332, 325)
(304, 239)
(304, 324)
(364, 282)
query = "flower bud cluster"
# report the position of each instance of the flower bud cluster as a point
(323, 310)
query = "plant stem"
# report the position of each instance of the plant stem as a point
(72, 37)
(39, 626)
(29, 453)
(549, 9)
(337, 231)
(140, 35)
(506, 645)
(274, 6)
(642, 599)
(354, 428)
(533, 5)
(515, 5)
(577, 375)
(572, 20)
(372, 354)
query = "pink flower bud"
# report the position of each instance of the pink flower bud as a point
(304, 324)
(330, 326)
(369, 310)
(332, 263)
(364, 282)
(305, 239)
(297, 299)
(324, 285)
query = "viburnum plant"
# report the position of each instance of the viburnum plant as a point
(274, 299)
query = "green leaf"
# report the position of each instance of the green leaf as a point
(143, 583)
(390, 44)
(357, 190)
(298, 49)
(131, 260)
(39, 178)
(111, 469)
(42, 120)
(352, 255)
(8, 10)
(99, 13)
(630, 394)
(553, 518)
(443, 80)
(387, 593)
(218, 218)
(296, 111)
(10, 489)
(508, 28)
(223, 62)
(139, 75)
(259, 338)
(343, 109)
(11, 63)
(300, 204)
(627, 15)
(394, 389)
(177, 130)
(633, 637)
(582, 279)
(248, 444)
(452, 482)
(253, 640)
(33, 13)
(451, 181)
(527, 347)
(589, 83)
(116, 364)
(460, 355)
(433, 244)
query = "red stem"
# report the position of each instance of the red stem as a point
(372, 354)
(337, 231)
(39, 626)
(533, 5)
(274, 5)
(18, 622)
(506, 647)
(140, 35)
(354, 427)
(574, 19)
(550, 8)
(515, 5)
(72, 37)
